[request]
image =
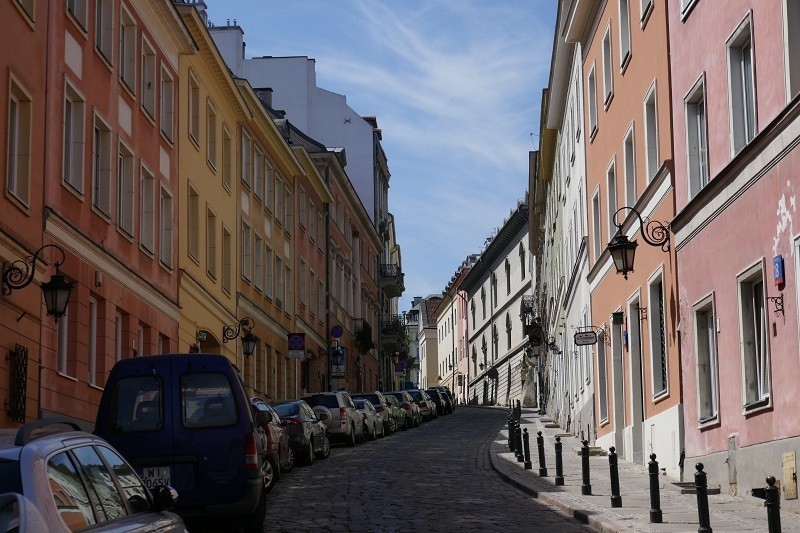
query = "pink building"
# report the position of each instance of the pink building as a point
(735, 121)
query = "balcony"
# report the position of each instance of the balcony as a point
(393, 332)
(391, 280)
(363, 335)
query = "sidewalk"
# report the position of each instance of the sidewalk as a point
(679, 511)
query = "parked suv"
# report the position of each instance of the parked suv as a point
(184, 420)
(337, 410)
(381, 404)
(68, 480)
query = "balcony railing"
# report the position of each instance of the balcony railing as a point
(391, 280)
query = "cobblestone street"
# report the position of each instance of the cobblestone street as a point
(437, 477)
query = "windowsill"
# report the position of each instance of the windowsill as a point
(167, 137)
(101, 213)
(127, 88)
(194, 258)
(103, 57)
(593, 133)
(67, 376)
(194, 140)
(758, 406)
(661, 396)
(708, 422)
(96, 387)
(147, 251)
(623, 65)
(125, 234)
(608, 100)
(80, 27)
(688, 10)
(72, 189)
(148, 114)
(211, 165)
(167, 267)
(28, 19)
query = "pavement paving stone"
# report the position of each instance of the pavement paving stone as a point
(679, 511)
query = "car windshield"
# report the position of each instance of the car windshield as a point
(325, 400)
(417, 395)
(360, 404)
(286, 409)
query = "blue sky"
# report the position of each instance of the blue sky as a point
(456, 87)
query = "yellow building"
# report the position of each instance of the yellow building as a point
(210, 113)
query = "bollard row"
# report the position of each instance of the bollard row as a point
(519, 443)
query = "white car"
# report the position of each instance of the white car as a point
(60, 479)
(372, 419)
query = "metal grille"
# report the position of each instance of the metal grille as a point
(19, 382)
(662, 337)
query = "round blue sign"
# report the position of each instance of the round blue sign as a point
(337, 331)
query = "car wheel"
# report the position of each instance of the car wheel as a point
(288, 461)
(309, 456)
(373, 434)
(270, 475)
(383, 430)
(325, 450)
(392, 425)
(351, 441)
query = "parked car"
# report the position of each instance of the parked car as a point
(339, 413)
(427, 408)
(308, 435)
(402, 418)
(413, 414)
(381, 404)
(439, 400)
(184, 420)
(448, 396)
(66, 480)
(372, 420)
(279, 453)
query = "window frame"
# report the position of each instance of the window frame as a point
(73, 152)
(754, 400)
(629, 160)
(166, 105)
(696, 133)
(706, 355)
(166, 228)
(104, 30)
(591, 89)
(742, 99)
(101, 196)
(658, 337)
(147, 183)
(128, 49)
(18, 180)
(148, 76)
(651, 137)
(625, 50)
(126, 189)
(608, 68)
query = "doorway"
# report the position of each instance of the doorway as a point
(637, 381)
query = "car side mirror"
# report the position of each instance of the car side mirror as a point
(164, 497)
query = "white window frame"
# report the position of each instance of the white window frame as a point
(791, 39)
(193, 108)
(193, 223)
(645, 9)
(624, 34)
(104, 29)
(258, 172)
(166, 227)
(227, 157)
(167, 104)
(611, 196)
(629, 158)
(126, 189)
(608, 68)
(127, 49)
(657, 335)
(597, 225)
(211, 134)
(707, 361)
(754, 330)
(74, 145)
(19, 143)
(148, 76)
(62, 343)
(650, 113)
(211, 242)
(77, 12)
(247, 252)
(101, 165)
(147, 206)
(227, 259)
(741, 86)
(246, 163)
(696, 137)
(591, 89)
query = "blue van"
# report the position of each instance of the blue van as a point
(184, 420)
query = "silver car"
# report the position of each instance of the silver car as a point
(373, 423)
(75, 480)
(337, 410)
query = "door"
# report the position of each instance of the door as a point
(637, 390)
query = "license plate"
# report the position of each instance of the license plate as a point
(154, 476)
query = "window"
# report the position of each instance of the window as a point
(77, 9)
(322, 307)
(658, 338)
(624, 33)
(522, 266)
(211, 243)
(651, 134)
(247, 253)
(321, 230)
(754, 339)
(269, 188)
(508, 331)
(246, 159)
(508, 277)
(258, 172)
(288, 285)
(126, 197)
(227, 157)
(629, 152)
(227, 259)
(127, 49)
(608, 73)
(92, 342)
(194, 108)
(101, 166)
(792, 52)
(165, 227)
(18, 148)
(706, 346)
(258, 260)
(302, 201)
(483, 303)
(591, 85)
(280, 195)
(288, 212)
(312, 221)
(269, 281)
(302, 285)
(104, 27)
(596, 223)
(167, 103)
(62, 342)
(278, 282)
(494, 290)
(696, 138)
(611, 194)
(69, 493)
(312, 297)
(148, 79)
(211, 134)
(742, 95)
(74, 143)
(193, 224)
(602, 387)
(118, 336)
(646, 8)
(147, 210)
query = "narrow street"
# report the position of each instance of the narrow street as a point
(433, 478)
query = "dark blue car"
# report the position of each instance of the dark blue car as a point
(184, 420)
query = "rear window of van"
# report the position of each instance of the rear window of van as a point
(207, 401)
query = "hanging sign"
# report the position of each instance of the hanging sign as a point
(297, 345)
(585, 338)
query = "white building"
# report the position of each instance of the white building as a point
(495, 287)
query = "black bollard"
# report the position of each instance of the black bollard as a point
(616, 499)
(773, 505)
(540, 446)
(559, 463)
(655, 496)
(701, 486)
(510, 434)
(514, 429)
(586, 487)
(520, 453)
(526, 449)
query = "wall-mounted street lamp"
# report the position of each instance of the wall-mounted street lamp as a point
(19, 274)
(623, 251)
(249, 340)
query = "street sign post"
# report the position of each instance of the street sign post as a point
(297, 345)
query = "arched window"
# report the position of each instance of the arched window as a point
(508, 331)
(472, 308)
(508, 277)
(483, 302)
(494, 342)
(522, 261)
